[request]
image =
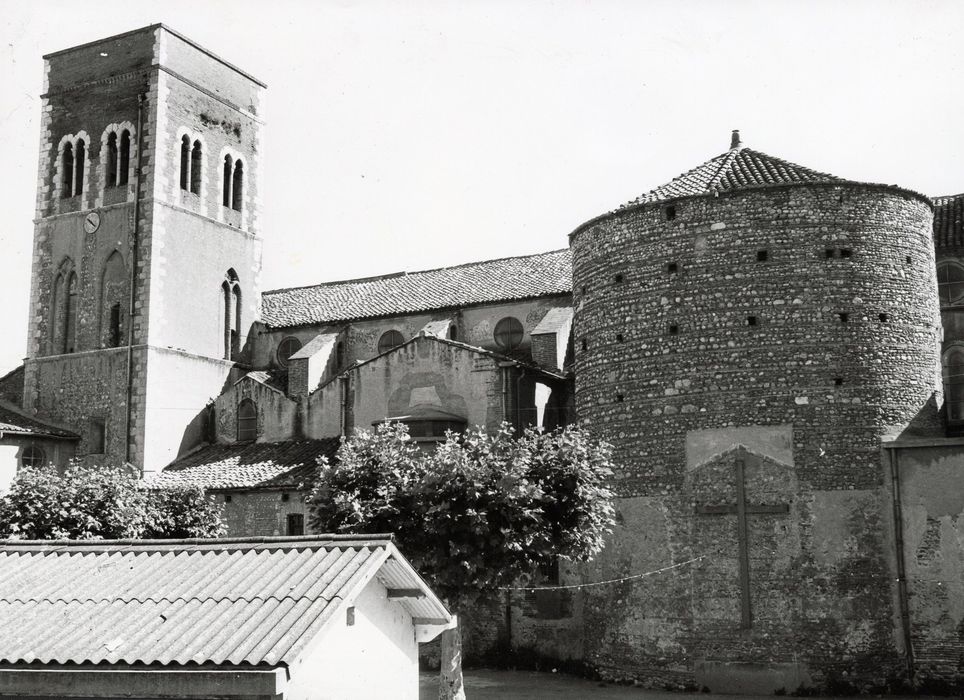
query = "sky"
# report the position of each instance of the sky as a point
(414, 135)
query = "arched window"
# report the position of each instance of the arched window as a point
(339, 355)
(508, 333)
(954, 384)
(185, 161)
(231, 298)
(286, 348)
(237, 186)
(67, 172)
(70, 315)
(950, 283)
(57, 300)
(32, 456)
(113, 294)
(110, 176)
(226, 183)
(389, 340)
(125, 157)
(80, 157)
(196, 168)
(247, 421)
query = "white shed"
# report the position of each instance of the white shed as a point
(286, 618)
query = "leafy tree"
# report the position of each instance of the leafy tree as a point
(102, 503)
(475, 514)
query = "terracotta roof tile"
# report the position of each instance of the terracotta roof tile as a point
(736, 169)
(506, 279)
(248, 465)
(14, 420)
(949, 221)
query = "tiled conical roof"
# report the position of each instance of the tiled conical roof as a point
(735, 169)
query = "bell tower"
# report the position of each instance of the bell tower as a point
(147, 252)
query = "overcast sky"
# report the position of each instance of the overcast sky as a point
(411, 135)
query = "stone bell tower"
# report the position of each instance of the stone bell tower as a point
(147, 252)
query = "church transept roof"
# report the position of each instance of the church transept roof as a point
(245, 465)
(506, 279)
(949, 221)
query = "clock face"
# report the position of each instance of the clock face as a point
(92, 222)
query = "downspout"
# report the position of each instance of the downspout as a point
(135, 235)
(343, 380)
(902, 594)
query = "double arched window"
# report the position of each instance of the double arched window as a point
(63, 305)
(232, 184)
(72, 165)
(117, 157)
(192, 164)
(231, 298)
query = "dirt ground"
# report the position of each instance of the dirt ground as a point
(484, 684)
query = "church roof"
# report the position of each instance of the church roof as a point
(248, 465)
(737, 168)
(949, 221)
(257, 601)
(506, 279)
(14, 421)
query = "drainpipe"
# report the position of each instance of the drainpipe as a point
(343, 380)
(135, 236)
(893, 455)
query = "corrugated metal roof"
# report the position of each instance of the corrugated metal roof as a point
(253, 601)
(491, 281)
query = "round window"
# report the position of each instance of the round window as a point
(508, 333)
(389, 340)
(32, 456)
(286, 348)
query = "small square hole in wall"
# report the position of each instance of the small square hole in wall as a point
(227, 498)
(583, 290)
(673, 329)
(909, 260)
(828, 253)
(838, 381)
(619, 337)
(672, 268)
(669, 212)
(619, 398)
(846, 253)
(844, 317)
(883, 318)
(618, 277)
(751, 320)
(585, 345)
(284, 497)
(762, 256)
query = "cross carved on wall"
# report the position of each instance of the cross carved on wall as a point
(742, 509)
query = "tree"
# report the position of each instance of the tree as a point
(102, 503)
(474, 515)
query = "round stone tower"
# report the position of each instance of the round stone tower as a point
(745, 336)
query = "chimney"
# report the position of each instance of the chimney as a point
(735, 139)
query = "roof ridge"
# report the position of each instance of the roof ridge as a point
(727, 163)
(405, 273)
(213, 542)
